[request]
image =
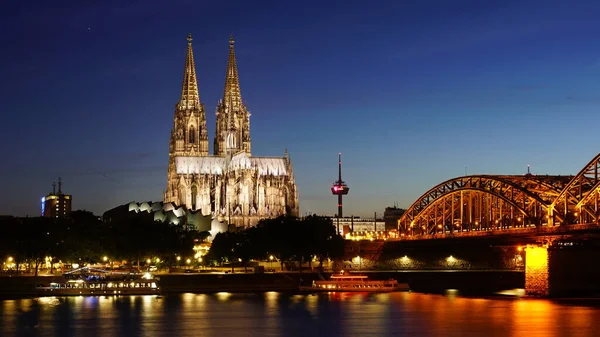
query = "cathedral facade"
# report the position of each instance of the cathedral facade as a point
(231, 184)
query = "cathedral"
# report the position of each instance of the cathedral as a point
(231, 185)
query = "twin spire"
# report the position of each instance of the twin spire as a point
(190, 95)
(232, 96)
(232, 132)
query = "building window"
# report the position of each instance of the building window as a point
(231, 141)
(194, 196)
(192, 135)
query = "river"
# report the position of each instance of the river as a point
(278, 314)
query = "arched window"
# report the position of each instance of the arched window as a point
(194, 196)
(231, 143)
(192, 135)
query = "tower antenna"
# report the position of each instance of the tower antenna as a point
(340, 166)
(340, 189)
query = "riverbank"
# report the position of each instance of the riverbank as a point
(427, 281)
(207, 283)
(464, 282)
(25, 286)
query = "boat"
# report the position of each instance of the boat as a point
(355, 283)
(88, 281)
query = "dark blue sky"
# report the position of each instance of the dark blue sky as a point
(411, 92)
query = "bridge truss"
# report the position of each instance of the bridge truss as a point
(502, 202)
(578, 201)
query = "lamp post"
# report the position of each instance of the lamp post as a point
(271, 262)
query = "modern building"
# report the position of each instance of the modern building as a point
(166, 212)
(351, 224)
(56, 205)
(230, 184)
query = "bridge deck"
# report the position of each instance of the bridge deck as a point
(513, 232)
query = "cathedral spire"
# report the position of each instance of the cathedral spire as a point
(189, 89)
(233, 119)
(232, 96)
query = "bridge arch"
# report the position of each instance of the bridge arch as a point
(474, 203)
(578, 201)
(587, 209)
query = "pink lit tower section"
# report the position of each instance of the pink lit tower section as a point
(340, 188)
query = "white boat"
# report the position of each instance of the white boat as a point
(355, 283)
(95, 282)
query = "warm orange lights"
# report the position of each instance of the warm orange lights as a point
(536, 271)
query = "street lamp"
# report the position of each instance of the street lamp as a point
(271, 262)
(105, 258)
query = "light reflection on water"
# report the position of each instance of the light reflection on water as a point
(276, 314)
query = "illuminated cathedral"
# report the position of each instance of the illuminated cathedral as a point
(231, 184)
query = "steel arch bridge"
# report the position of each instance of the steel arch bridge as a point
(483, 203)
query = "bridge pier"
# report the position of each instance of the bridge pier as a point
(537, 271)
(549, 265)
(564, 268)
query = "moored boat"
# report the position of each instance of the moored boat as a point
(95, 282)
(355, 283)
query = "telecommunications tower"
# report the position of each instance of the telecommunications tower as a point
(340, 189)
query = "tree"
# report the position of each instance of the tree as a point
(287, 238)
(222, 248)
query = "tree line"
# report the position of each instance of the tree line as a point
(83, 238)
(291, 241)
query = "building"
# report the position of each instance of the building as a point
(357, 224)
(391, 216)
(56, 205)
(231, 184)
(166, 212)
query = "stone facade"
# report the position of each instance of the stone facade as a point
(231, 184)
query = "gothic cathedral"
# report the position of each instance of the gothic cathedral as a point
(231, 184)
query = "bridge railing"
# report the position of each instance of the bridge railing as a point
(565, 229)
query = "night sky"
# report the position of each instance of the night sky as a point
(411, 92)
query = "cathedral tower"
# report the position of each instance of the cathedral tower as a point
(188, 136)
(233, 119)
(231, 185)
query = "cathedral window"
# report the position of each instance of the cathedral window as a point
(231, 141)
(192, 135)
(194, 196)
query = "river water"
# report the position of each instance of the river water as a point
(278, 314)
